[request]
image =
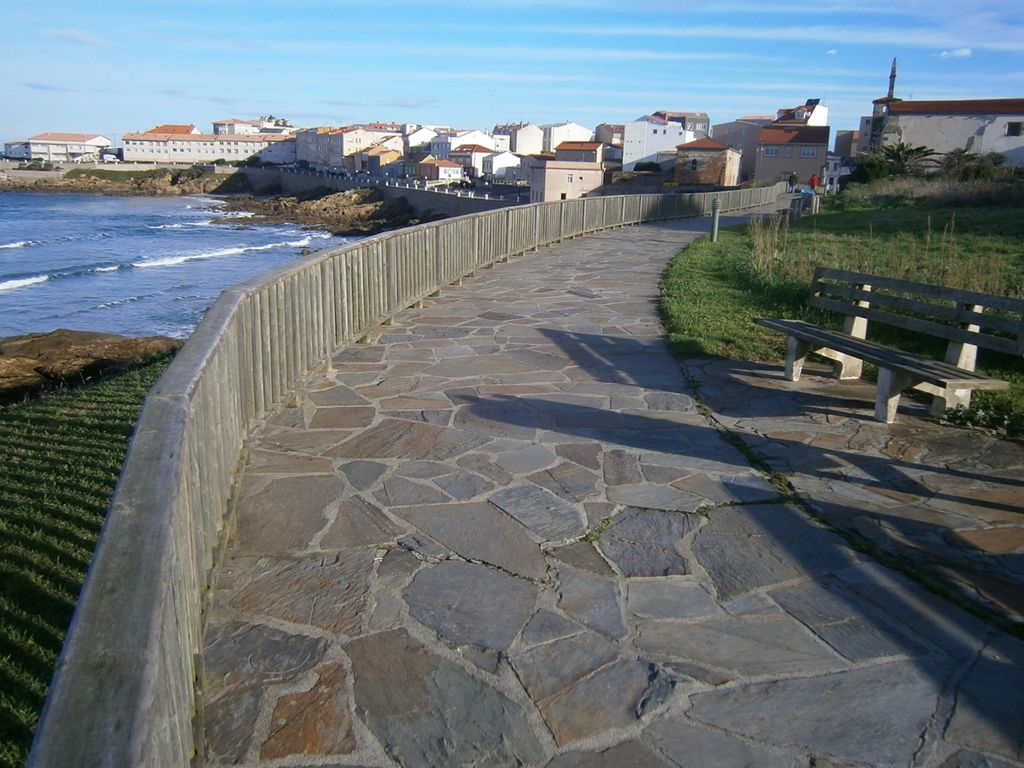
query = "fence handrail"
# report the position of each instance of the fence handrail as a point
(124, 692)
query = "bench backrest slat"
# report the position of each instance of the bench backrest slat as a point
(952, 315)
(922, 308)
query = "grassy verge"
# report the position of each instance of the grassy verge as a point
(59, 461)
(712, 292)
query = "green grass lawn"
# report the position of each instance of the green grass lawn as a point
(59, 460)
(711, 292)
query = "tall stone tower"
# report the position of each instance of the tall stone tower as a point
(880, 110)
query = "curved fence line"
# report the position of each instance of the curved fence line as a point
(127, 689)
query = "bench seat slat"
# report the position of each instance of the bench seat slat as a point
(920, 368)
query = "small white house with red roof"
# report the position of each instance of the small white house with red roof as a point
(471, 158)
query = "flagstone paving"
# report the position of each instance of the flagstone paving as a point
(504, 533)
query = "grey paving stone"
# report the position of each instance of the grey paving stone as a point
(592, 600)
(669, 598)
(478, 463)
(428, 711)
(363, 474)
(609, 698)
(396, 439)
(967, 759)
(358, 524)
(266, 462)
(528, 458)
(498, 418)
(551, 669)
(423, 545)
(670, 401)
(744, 489)
(774, 542)
(570, 481)
(287, 514)
(477, 531)
(470, 604)
(327, 593)
(989, 714)
(845, 622)
(396, 567)
(230, 724)
(422, 470)
(875, 715)
(546, 626)
(342, 417)
(540, 511)
(463, 485)
(690, 745)
(397, 491)
(656, 496)
(629, 754)
(770, 645)
(645, 542)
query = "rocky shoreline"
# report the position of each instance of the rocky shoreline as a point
(38, 363)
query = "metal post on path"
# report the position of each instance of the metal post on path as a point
(716, 210)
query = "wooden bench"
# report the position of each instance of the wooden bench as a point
(968, 320)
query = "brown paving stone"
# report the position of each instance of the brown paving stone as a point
(317, 722)
(621, 468)
(326, 593)
(287, 514)
(584, 556)
(570, 481)
(338, 394)
(993, 541)
(392, 438)
(585, 454)
(358, 524)
(342, 417)
(399, 490)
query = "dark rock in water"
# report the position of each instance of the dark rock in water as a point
(355, 212)
(38, 362)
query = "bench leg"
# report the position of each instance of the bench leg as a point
(950, 398)
(796, 354)
(846, 367)
(887, 397)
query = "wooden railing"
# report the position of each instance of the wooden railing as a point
(125, 692)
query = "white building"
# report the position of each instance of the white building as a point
(190, 148)
(59, 147)
(441, 146)
(556, 133)
(646, 137)
(417, 139)
(977, 125)
(811, 112)
(502, 165)
(524, 138)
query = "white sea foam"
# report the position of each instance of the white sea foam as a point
(171, 261)
(183, 224)
(18, 244)
(10, 285)
(108, 269)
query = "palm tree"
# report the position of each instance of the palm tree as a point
(904, 159)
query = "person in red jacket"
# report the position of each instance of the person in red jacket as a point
(813, 182)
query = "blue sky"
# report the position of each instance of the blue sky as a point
(117, 67)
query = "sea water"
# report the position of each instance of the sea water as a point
(136, 266)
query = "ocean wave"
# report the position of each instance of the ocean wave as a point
(10, 285)
(19, 244)
(109, 269)
(183, 224)
(171, 261)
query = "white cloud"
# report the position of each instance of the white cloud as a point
(831, 51)
(76, 36)
(956, 53)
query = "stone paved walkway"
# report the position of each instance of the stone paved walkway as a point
(502, 533)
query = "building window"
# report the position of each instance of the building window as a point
(787, 151)
(771, 151)
(1014, 129)
(693, 164)
(808, 151)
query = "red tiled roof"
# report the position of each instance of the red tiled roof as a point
(222, 137)
(66, 137)
(793, 134)
(171, 128)
(441, 163)
(711, 144)
(579, 146)
(471, 148)
(964, 107)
